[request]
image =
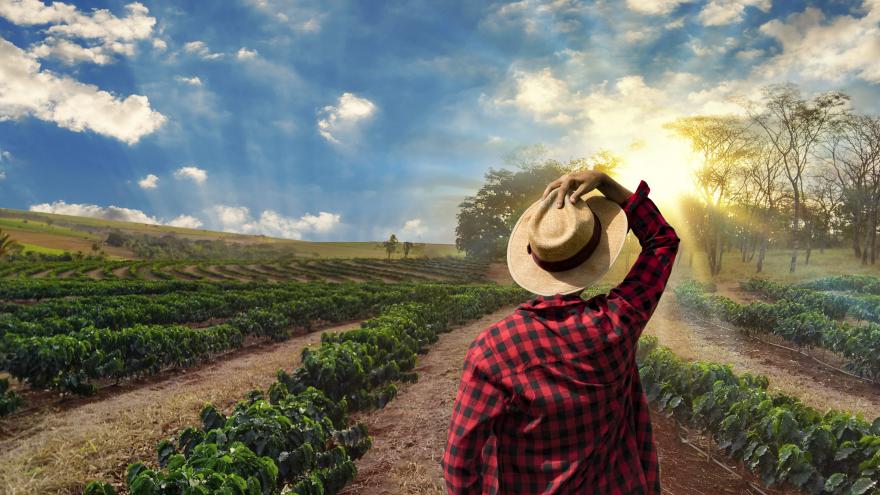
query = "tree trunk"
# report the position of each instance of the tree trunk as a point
(874, 236)
(857, 227)
(809, 241)
(761, 255)
(794, 231)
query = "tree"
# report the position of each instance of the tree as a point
(391, 245)
(486, 219)
(407, 247)
(8, 245)
(794, 127)
(723, 144)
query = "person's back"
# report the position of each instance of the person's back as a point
(550, 400)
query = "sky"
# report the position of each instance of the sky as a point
(350, 120)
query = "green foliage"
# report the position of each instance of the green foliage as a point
(299, 436)
(776, 436)
(9, 400)
(800, 317)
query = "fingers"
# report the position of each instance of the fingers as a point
(553, 185)
(563, 191)
(576, 195)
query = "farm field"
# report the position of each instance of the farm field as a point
(229, 335)
(54, 233)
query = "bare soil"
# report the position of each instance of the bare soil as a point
(65, 447)
(409, 435)
(789, 372)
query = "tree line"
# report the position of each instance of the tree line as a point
(791, 171)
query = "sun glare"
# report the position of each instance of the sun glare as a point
(665, 163)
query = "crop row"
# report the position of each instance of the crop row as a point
(864, 284)
(296, 437)
(793, 321)
(776, 436)
(835, 305)
(65, 315)
(72, 361)
(449, 268)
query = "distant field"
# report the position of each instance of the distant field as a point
(51, 233)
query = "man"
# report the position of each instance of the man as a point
(550, 400)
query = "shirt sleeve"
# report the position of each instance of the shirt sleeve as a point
(478, 403)
(635, 299)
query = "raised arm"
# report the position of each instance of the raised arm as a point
(635, 299)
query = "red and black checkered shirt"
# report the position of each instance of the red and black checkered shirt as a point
(550, 400)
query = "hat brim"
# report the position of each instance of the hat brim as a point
(535, 279)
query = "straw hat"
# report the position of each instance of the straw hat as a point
(564, 250)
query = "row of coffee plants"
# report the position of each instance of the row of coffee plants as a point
(72, 361)
(296, 437)
(864, 284)
(836, 305)
(793, 321)
(59, 316)
(776, 436)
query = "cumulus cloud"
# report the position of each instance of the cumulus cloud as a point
(112, 213)
(654, 7)
(536, 17)
(540, 94)
(818, 48)
(195, 174)
(160, 45)
(186, 221)
(340, 121)
(722, 12)
(414, 226)
(271, 223)
(28, 90)
(192, 81)
(95, 211)
(200, 49)
(149, 182)
(245, 54)
(104, 33)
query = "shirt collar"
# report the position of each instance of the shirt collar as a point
(554, 301)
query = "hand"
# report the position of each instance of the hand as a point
(582, 182)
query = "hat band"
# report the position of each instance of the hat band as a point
(575, 260)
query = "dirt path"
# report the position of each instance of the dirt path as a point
(97, 440)
(789, 372)
(409, 435)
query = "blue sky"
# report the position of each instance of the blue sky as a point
(350, 120)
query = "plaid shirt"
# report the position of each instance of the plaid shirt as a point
(550, 400)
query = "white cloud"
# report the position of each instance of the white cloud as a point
(192, 81)
(71, 53)
(149, 182)
(95, 211)
(27, 90)
(5, 156)
(415, 227)
(200, 49)
(676, 24)
(536, 17)
(654, 7)
(271, 223)
(107, 33)
(192, 173)
(186, 221)
(815, 47)
(231, 216)
(2, 174)
(721, 12)
(342, 120)
(702, 50)
(749, 54)
(160, 44)
(112, 213)
(245, 54)
(540, 94)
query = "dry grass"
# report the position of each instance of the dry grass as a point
(66, 449)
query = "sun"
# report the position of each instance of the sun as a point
(665, 163)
